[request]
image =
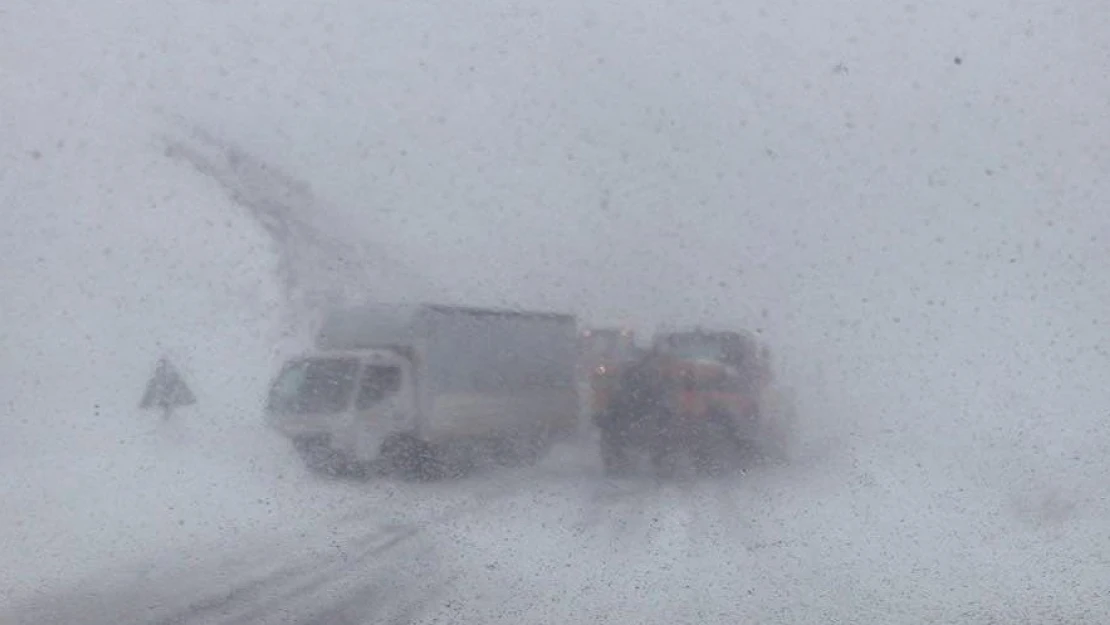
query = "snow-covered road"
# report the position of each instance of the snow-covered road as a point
(556, 543)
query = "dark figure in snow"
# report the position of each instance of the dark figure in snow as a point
(637, 417)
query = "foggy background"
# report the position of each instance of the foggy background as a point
(906, 199)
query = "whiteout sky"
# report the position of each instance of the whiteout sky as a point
(907, 197)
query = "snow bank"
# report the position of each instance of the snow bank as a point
(75, 513)
(113, 255)
(118, 253)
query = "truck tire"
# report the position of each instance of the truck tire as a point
(708, 458)
(719, 448)
(410, 458)
(614, 455)
(320, 458)
(664, 459)
(522, 453)
(665, 439)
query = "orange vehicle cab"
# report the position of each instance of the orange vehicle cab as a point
(713, 371)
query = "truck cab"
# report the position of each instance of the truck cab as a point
(344, 405)
(739, 350)
(420, 389)
(697, 392)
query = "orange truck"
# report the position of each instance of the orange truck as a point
(721, 374)
(704, 387)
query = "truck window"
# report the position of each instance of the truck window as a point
(313, 385)
(695, 348)
(378, 382)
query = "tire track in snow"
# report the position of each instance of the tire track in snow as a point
(204, 590)
(297, 593)
(343, 571)
(348, 587)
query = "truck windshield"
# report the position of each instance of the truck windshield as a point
(695, 348)
(377, 384)
(313, 385)
(710, 347)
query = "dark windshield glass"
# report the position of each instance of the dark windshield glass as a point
(377, 384)
(722, 348)
(695, 348)
(317, 385)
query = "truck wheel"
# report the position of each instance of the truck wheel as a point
(523, 453)
(410, 458)
(664, 460)
(665, 441)
(719, 448)
(320, 458)
(707, 456)
(614, 455)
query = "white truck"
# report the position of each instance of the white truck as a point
(425, 389)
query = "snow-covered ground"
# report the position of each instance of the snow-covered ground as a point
(71, 513)
(90, 306)
(823, 541)
(781, 549)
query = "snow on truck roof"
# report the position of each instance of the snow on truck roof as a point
(369, 325)
(412, 310)
(504, 312)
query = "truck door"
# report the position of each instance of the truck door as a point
(384, 404)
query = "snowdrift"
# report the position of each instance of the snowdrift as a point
(116, 255)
